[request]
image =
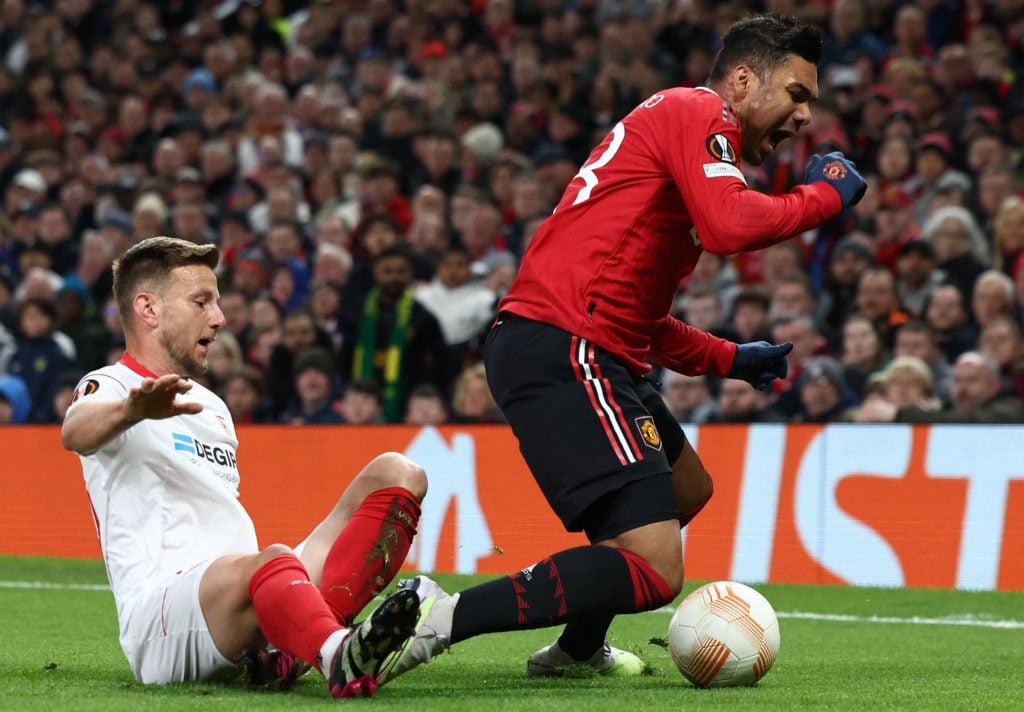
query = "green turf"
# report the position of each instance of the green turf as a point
(60, 651)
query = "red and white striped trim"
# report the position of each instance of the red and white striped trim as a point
(602, 398)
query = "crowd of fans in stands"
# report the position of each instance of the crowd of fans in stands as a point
(372, 171)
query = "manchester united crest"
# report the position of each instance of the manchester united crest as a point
(834, 170)
(649, 432)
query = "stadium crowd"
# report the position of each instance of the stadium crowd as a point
(372, 171)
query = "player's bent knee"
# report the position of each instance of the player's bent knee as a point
(272, 552)
(393, 469)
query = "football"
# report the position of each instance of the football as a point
(724, 634)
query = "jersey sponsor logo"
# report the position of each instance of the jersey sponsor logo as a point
(649, 432)
(834, 170)
(720, 149)
(87, 388)
(212, 453)
(722, 170)
(653, 101)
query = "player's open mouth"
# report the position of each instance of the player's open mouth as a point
(777, 137)
(205, 343)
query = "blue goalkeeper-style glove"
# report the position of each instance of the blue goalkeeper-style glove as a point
(839, 172)
(759, 363)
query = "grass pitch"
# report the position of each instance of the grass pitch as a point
(843, 648)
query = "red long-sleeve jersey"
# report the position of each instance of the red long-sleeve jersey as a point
(661, 187)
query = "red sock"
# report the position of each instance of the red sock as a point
(369, 551)
(291, 612)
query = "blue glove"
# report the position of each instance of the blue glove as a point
(839, 172)
(759, 363)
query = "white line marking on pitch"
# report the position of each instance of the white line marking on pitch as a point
(913, 620)
(834, 617)
(55, 586)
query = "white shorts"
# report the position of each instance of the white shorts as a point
(167, 638)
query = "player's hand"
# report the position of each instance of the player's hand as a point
(839, 172)
(759, 363)
(155, 398)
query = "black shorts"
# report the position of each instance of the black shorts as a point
(598, 439)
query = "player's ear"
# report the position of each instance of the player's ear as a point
(146, 308)
(742, 81)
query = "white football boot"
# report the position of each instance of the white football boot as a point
(552, 661)
(433, 629)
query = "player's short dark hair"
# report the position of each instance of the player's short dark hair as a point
(145, 266)
(764, 42)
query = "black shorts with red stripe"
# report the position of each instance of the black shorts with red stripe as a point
(598, 439)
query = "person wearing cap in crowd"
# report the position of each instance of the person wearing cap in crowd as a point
(314, 389)
(28, 185)
(824, 394)
(916, 275)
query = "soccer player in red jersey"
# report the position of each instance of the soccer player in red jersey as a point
(567, 356)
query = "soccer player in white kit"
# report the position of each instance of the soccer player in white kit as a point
(193, 590)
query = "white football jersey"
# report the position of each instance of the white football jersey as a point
(165, 492)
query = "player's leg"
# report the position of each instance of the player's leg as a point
(584, 636)
(593, 450)
(355, 552)
(246, 598)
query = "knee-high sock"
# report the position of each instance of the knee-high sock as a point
(292, 614)
(369, 551)
(585, 634)
(584, 580)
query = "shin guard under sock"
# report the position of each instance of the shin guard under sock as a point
(369, 551)
(290, 610)
(587, 579)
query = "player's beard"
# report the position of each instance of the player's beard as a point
(182, 357)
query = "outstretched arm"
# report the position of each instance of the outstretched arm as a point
(89, 425)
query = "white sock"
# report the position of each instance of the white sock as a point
(330, 648)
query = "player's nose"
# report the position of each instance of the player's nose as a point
(217, 320)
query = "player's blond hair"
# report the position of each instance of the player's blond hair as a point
(145, 267)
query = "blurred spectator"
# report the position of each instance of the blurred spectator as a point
(472, 401)
(824, 395)
(740, 402)
(245, 396)
(224, 357)
(863, 352)
(749, 319)
(878, 300)
(464, 307)
(1009, 233)
(425, 407)
(977, 397)
(314, 389)
(396, 341)
(15, 401)
(361, 404)
(850, 257)
(1001, 340)
(994, 294)
(688, 398)
(895, 224)
(916, 275)
(39, 359)
(64, 393)
(298, 333)
(907, 382)
(78, 319)
(948, 317)
(917, 339)
(960, 247)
